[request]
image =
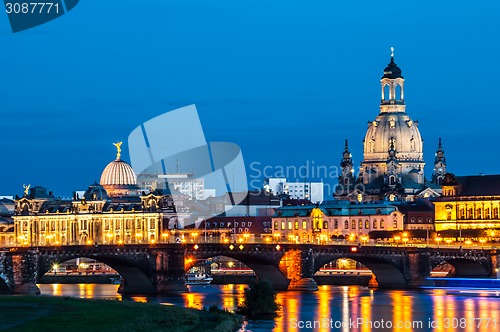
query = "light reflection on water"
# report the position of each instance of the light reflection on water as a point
(416, 310)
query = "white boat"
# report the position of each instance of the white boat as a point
(198, 279)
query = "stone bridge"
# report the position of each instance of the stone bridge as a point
(160, 268)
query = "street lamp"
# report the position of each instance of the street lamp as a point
(405, 237)
(438, 239)
(397, 238)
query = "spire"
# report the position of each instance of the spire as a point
(346, 156)
(346, 165)
(439, 165)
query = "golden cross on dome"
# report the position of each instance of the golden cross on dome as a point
(392, 52)
(118, 149)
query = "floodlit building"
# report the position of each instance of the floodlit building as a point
(321, 223)
(468, 202)
(393, 164)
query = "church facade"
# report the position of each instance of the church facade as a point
(393, 163)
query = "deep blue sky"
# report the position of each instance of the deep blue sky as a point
(288, 81)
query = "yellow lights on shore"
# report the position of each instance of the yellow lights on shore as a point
(278, 247)
(88, 242)
(195, 247)
(231, 247)
(468, 242)
(120, 242)
(152, 241)
(226, 240)
(364, 239)
(241, 247)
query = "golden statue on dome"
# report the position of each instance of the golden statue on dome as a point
(26, 189)
(118, 149)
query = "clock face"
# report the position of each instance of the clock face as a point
(440, 169)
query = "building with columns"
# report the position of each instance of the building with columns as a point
(110, 212)
(393, 163)
(468, 202)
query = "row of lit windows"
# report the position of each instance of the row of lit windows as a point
(295, 225)
(236, 224)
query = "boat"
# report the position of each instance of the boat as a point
(115, 280)
(198, 279)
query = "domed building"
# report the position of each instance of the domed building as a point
(393, 163)
(118, 178)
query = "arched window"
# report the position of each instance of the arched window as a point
(495, 212)
(296, 225)
(392, 180)
(420, 220)
(375, 224)
(275, 225)
(387, 90)
(399, 96)
(325, 224)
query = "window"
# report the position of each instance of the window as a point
(235, 224)
(249, 224)
(221, 224)
(336, 224)
(495, 213)
(275, 225)
(243, 224)
(395, 224)
(360, 224)
(487, 213)
(367, 224)
(382, 223)
(353, 224)
(346, 224)
(289, 225)
(448, 215)
(429, 220)
(375, 224)
(304, 224)
(282, 225)
(479, 213)
(412, 220)
(325, 224)
(296, 225)
(420, 220)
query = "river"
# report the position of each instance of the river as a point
(335, 308)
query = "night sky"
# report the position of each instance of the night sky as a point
(287, 81)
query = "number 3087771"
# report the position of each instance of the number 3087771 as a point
(32, 8)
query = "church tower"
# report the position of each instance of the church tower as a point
(439, 165)
(393, 148)
(347, 177)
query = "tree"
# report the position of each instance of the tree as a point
(260, 301)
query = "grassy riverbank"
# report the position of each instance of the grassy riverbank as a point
(43, 313)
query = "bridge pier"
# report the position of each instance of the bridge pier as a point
(306, 281)
(169, 274)
(24, 273)
(419, 264)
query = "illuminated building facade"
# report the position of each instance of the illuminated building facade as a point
(468, 202)
(321, 223)
(393, 164)
(111, 212)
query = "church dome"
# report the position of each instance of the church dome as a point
(392, 70)
(118, 177)
(118, 173)
(396, 129)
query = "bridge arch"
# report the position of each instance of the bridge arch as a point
(387, 273)
(134, 279)
(464, 267)
(263, 268)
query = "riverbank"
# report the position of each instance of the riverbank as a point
(45, 313)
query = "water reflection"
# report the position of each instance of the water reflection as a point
(334, 308)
